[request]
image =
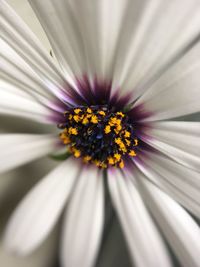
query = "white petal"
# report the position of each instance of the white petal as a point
(177, 92)
(178, 227)
(183, 135)
(16, 103)
(179, 182)
(100, 23)
(16, 72)
(38, 212)
(86, 33)
(153, 36)
(16, 33)
(145, 243)
(186, 158)
(84, 221)
(61, 29)
(18, 149)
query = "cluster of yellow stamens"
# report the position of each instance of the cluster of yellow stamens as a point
(99, 136)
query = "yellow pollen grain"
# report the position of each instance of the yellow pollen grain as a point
(85, 121)
(118, 140)
(88, 116)
(87, 158)
(102, 164)
(118, 128)
(76, 118)
(117, 156)
(62, 135)
(121, 164)
(94, 119)
(77, 153)
(121, 145)
(77, 110)
(120, 114)
(89, 110)
(70, 117)
(112, 121)
(135, 142)
(73, 131)
(132, 153)
(118, 122)
(128, 142)
(111, 161)
(107, 129)
(101, 112)
(127, 134)
(66, 140)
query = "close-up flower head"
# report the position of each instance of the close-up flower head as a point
(115, 103)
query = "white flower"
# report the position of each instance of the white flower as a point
(138, 58)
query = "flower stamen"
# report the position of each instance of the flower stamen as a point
(99, 135)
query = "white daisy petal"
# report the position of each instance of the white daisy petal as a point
(137, 224)
(86, 33)
(153, 36)
(179, 182)
(100, 24)
(186, 158)
(178, 227)
(17, 34)
(16, 71)
(177, 92)
(183, 135)
(38, 212)
(16, 105)
(84, 221)
(18, 149)
(61, 29)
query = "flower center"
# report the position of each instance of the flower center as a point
(99, 136)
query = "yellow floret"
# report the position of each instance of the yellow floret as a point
(117, 156)
(118, 128)
(128, 142)
(107, 129)
(89, 110)
(118, 122)
(132, 153)
(120, 114)
(121, 164)
(73, 131)
(101, 112)
(94, 119)
(121, 145)
(118, 140)
(77, 153)
(102, 165)
(85, 121)
(112, 121)
(135, 142)
(87, 158)
(127, 134)
(111, 161)
(76, 118)
(77, 110)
